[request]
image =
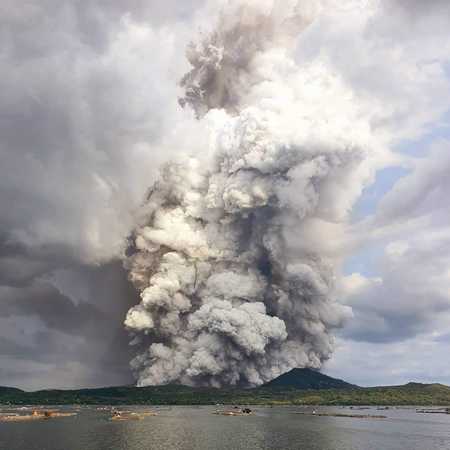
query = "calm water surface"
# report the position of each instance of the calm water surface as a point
(189, 428)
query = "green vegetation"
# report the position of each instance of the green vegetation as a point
(409, 394)
(296, 387)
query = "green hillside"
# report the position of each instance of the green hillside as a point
(286, 392)
(9, 391)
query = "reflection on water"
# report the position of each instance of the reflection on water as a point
(196, 428)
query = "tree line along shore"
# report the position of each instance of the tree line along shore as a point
(408, 394)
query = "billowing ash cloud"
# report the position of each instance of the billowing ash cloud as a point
(235, 283)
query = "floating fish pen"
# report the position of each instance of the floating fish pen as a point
(234, 412)
(352, 416)
(35, 415)
(130, 415)
(434, 411)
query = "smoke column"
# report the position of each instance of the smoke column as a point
(230, 258)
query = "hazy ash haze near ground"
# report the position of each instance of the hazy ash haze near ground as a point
(89, 113)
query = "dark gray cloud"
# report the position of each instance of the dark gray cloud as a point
(56, 310)
(13, 349)
(41, 325)
(87, 92)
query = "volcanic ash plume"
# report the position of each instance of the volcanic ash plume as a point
(236, 286)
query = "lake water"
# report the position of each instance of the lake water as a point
(196, 428)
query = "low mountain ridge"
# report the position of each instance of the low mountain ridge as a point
(296, 387)
(9, 390)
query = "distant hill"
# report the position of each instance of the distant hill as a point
(308, 379)
(9, 390)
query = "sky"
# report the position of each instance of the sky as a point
(88, 114)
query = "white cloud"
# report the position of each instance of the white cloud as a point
(420, 359)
